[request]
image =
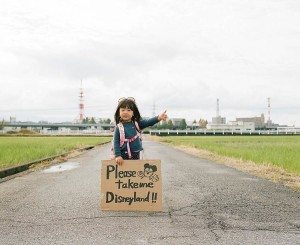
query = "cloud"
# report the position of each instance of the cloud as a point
(178, 55)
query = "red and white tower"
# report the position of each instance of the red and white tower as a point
(81, 105)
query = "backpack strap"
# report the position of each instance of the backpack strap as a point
(123, 139)
(122, 134)
(139, 131)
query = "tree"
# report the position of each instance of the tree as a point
(194, 123)
(170, 124)
(202, 123)
(182, 124)
(2, 124)
(107, 121)
(163, 125)
(89, 120)
(92, 120)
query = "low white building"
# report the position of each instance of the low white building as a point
(232, 126)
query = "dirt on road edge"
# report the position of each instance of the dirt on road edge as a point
(267, 171)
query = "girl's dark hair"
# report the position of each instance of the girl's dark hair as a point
(126, 103)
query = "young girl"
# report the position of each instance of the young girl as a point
(128, 115)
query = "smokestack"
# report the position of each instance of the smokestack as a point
(217, 107)
(269, 112)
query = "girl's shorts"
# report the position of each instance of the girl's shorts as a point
(134, 156)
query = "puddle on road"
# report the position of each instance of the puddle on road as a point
(62, 167)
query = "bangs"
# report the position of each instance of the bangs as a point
(127, 104)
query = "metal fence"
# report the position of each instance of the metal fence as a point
(77, 132)
(286, 131)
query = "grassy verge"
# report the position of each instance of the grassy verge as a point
(280, 151)
(18, 150)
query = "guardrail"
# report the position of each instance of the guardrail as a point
(98, 132)
(224, 132)
(77, 132)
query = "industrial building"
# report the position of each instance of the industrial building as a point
(259, 122)
(219, 123)
(232, 126)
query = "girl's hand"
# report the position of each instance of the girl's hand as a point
(163, 116)
(119, 160)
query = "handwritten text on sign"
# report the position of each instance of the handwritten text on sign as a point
(135, 185)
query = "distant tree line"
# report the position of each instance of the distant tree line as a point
(105, 121)
(164, 125)
(91, 120)
(182, 125)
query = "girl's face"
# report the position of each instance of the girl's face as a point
(126, 114)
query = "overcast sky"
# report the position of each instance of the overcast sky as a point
(179, 55)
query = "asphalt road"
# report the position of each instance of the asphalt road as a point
(203, 203)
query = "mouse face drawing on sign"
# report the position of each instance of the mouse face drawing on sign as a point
(149, 172)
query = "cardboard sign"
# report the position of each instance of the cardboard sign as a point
(136, 185)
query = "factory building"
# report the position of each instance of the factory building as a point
(259, 122)
(219, 123)
(232, 126)
(218, 120)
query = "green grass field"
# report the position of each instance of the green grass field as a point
(18, 150)
(281, 151)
